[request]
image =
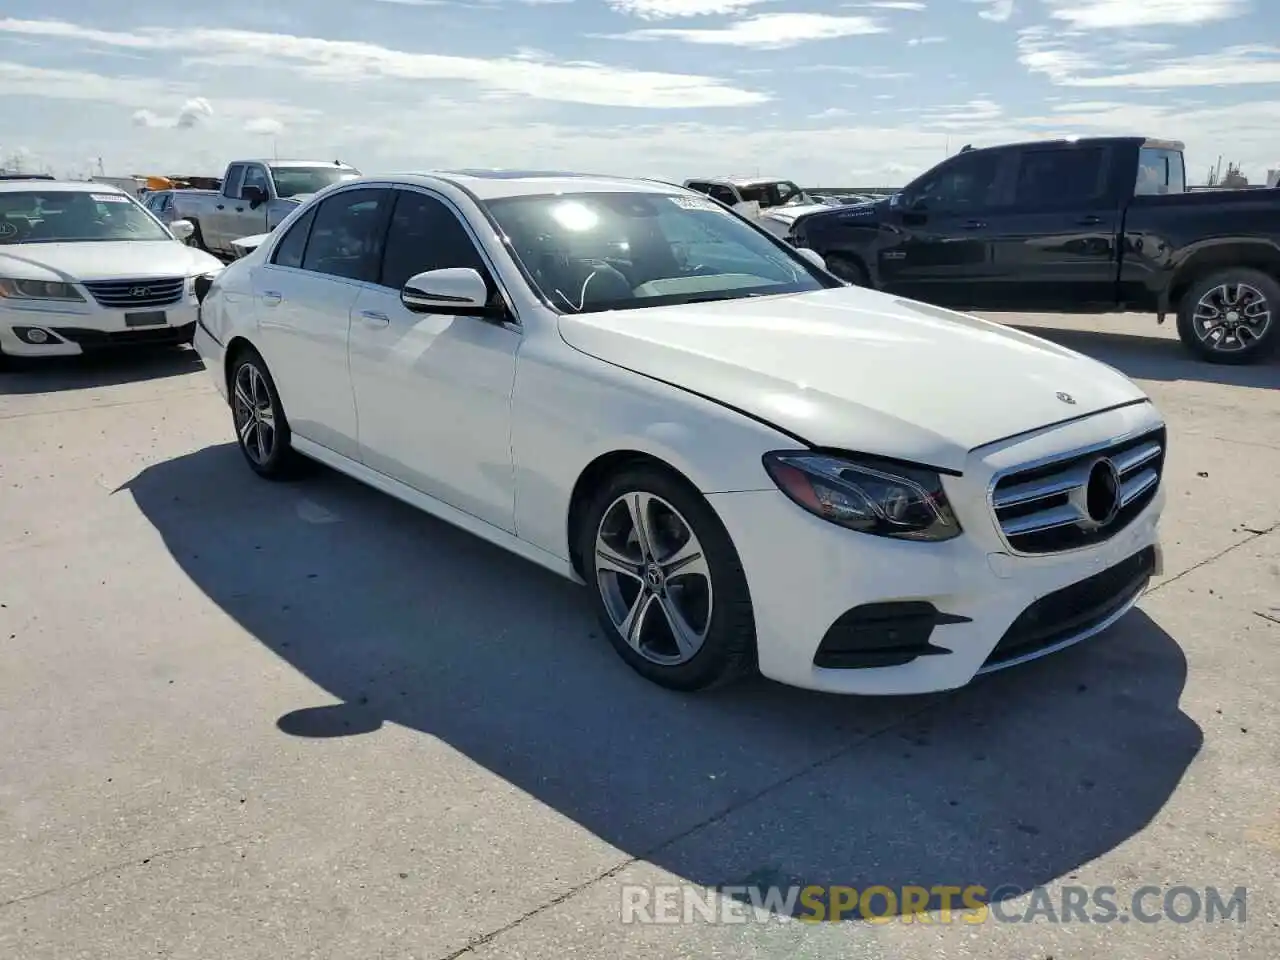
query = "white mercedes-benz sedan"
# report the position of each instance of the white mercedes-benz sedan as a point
(751, 465)
(85, 266)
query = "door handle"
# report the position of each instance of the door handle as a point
(239, 209)
(221, 207)
(974, 225)
(374, 319)
(1089, 221)
(271, 297)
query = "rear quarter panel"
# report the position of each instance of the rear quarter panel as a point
(1165, 236)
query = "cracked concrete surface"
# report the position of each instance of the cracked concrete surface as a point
(303, 721)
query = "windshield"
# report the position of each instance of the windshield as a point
(776, 194)
(56, 216)
(294, 181)
(589, 252)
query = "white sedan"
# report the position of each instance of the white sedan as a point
(85, 266)
(751, 465)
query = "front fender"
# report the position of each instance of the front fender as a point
(570, 409)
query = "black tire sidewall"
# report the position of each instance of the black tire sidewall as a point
(848, 270)
(1265, 347)
(277, 465)
(728, 652)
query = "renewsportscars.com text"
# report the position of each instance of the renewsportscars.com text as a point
(676, 904)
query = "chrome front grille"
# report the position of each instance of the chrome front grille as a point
(137, 294)
(1081, 498)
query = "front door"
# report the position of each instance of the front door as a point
(433, 391)
(936, 244)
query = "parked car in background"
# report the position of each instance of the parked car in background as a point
(749, 463)
(256, 195)
(164, 205)
(27, 176)
(84, 266)
(1088, 226)
(773, 202)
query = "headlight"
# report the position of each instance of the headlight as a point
(38, 290)
(888, 500)
(198, 286)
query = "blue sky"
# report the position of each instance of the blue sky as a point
(825, 92)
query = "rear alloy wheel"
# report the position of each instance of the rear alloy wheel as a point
(1230, 317)
(668, 586)
(262, 431)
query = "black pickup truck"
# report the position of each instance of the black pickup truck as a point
(1072, 226)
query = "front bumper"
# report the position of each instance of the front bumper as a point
(73, 329)
(979, 607)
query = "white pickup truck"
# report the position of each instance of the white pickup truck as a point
(256, 195)
(772, 202)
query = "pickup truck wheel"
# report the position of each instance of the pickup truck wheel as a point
(848, 270)
(1231, 316)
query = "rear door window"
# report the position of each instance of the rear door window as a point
(1160, 171)
(1053, 178)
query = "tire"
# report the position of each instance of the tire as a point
(709, 595)
(848, 270)
(250, 379)
(1257, 319)
(197, 237)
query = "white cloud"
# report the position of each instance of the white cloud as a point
(906, 5)
(349, 61)
(349, 100)
(767, 31)
(1066, 64)
(264, 126)
(1112, 14)
(671, 9)
(866, 73)
(918, 41)
(997, 11)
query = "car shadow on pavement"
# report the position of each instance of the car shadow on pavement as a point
(1014, 781)
(20, 375)
(1157, 358)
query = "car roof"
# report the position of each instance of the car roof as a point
(495, 184)
(57, 186)
(336, 164)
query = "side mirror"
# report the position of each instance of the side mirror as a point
(182, 229)
(456, 290)
(253, 193)
(813, 256)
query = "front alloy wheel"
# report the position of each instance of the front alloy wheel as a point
(667, 583)
(653, 577)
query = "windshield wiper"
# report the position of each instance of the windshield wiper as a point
(737, 295)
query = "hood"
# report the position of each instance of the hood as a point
(107, 260)
(858, 370)
(789, 214)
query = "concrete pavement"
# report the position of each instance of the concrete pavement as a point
(264, 721)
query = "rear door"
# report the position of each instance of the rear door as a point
(303, 300)
(936, 243)
(1055, 248)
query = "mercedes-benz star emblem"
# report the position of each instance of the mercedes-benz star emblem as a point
(140, 291)
(1102, 492)
(653, 576)
(1067, 398)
